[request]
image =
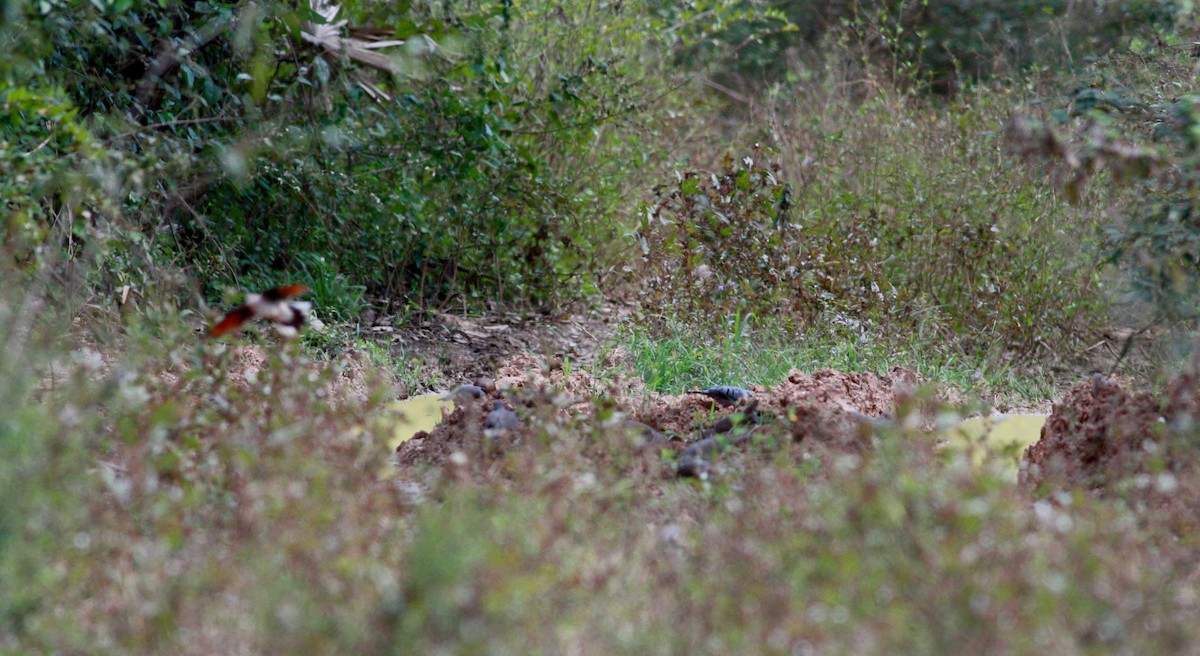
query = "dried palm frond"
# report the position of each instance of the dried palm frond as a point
(370, 87)
(360, 44)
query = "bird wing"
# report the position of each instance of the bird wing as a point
(232, 321)
(283, 292)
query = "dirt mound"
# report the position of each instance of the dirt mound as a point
(464, 423)
(821, 406)
(1098, 433)
(1130, 445)
(865, 393)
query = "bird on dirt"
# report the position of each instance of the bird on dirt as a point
(724, 394)
(883, 421)
(729, 431)
(499, 422)
(275, 305)
(486, 384)
(644, 435)
(464, 393)
(726, 424)
(698, 459)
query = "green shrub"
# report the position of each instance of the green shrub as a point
(1132, 121)
(943, 42)
(48, 154)
(719, 245)
(491, 155)
(903, 217)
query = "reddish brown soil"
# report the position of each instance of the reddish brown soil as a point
(461, 430)
(806, 407)
(1097, 433)
(866, 393)
(1130, 445)
(1110, 441)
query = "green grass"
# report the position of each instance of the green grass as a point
(676, 358)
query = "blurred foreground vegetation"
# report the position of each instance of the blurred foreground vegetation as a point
(952, 186)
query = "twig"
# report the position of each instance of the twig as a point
(39, 146)
(742, 98)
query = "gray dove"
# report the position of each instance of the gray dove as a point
(499, 422)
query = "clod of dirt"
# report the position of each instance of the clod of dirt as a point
(461, 430)
(1097, 434)
(863, 392)
(831, 426)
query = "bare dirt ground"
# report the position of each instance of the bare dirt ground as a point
(1098, 432)
(461, 349)
(826, 406)
(1101, 432)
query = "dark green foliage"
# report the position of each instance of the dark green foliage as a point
(944, 41)
(43, 142)
(422, 203)
(487, 157)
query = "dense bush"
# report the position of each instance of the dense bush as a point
(722, 244)
(44, 143)
(943, 41)
(445, 153)
(1133, 121)
(890, 214)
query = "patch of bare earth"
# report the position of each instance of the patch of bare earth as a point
(1112, 441)
(461, 348)
(1098, 431)
(827, 406)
